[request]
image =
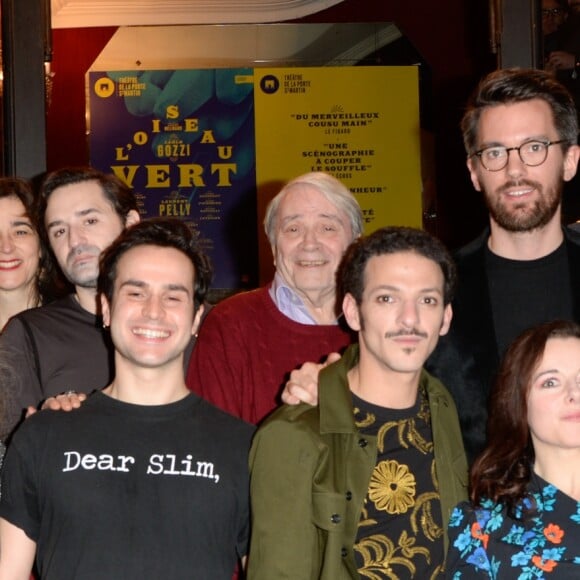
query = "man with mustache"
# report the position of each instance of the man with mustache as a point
(366, 481)
(61, 345)
(520, 134)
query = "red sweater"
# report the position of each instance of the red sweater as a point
(246, 349)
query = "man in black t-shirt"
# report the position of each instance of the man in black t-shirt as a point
(146, 480)
(61, 346)
(520, 133)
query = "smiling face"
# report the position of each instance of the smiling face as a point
(81, 223)
(19, 247)
(312, 234)
(554, 398)
(151, 313)
(402, 313)
(521, 198)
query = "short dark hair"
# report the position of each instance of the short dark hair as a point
(392, 240)
(119, 195)
(162, 232)
(516, 85)
(503, 470)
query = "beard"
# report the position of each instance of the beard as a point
(85, 279)
(525, 216)
(86, 275)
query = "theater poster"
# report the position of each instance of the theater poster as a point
(359, 123)
(212, 146)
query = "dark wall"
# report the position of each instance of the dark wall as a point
(452, 37)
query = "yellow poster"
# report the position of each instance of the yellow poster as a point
(361, 124)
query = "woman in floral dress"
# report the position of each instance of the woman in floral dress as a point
(523, 521)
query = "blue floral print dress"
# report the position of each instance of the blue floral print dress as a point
(485, 542)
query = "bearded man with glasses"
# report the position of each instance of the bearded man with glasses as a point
(520, 133)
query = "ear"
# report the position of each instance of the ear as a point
(446, 323)
(132, 218)
(197, 320)
(351, 312)
(571, 162)
(472, 168)
(273, 248)
(105, 310)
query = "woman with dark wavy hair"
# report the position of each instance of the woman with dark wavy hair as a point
(524, 517)
(26, 272)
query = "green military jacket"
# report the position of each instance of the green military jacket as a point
(310, 471)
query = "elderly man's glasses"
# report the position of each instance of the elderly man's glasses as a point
(531, 153)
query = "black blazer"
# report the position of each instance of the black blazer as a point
(466, 360)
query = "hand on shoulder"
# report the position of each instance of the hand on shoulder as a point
(66, 401)
(302, 386)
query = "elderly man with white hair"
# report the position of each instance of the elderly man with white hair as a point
(250, 342)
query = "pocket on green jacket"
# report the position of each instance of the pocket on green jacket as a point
(328, 511)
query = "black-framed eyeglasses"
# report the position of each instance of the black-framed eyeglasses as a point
(532, 153)
(552, 12)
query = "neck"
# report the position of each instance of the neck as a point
(320, 305)
(391, 390)
(560, 467)
(147, 386)
(526, 245)
(13, 302)
(87, 298)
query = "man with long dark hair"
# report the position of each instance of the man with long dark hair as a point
(61, 346)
